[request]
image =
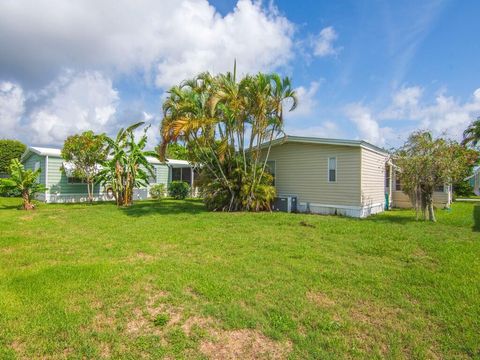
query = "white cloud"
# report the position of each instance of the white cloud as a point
(367, 126)
(445, 115)
(168, 40)
(12, 106)
(73, 103)
(323, 43)
(307, 102)
(327, 129)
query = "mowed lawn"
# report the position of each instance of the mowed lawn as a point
(169, 279)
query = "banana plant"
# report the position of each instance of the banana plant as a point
(25, 181)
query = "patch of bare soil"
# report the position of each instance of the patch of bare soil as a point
(244, 344)
(19, 348)
(320, 299)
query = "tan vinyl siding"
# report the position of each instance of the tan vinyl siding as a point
(302, 170)
(401, 200)
(373, 177)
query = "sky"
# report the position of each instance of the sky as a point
(374, 70)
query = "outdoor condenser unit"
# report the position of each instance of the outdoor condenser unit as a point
(286, 203)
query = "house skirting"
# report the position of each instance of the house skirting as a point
(350, 211)
(72, 198)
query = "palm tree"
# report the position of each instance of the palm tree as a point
(24, 181)
(225, 125)
(472, 134)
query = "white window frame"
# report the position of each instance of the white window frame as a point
(328, 169)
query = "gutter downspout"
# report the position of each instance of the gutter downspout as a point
(47, 193)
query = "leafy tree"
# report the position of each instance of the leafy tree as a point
(228, 127)
(85, 151)
(471, 135)
(426, 163)
(127, 166)
(175, 151)
(9, 150)
(25, 181)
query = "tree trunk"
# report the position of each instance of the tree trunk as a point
(27, 205)
(431, 212)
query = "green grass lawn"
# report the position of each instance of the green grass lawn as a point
(170, 279)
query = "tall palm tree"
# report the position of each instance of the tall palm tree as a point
(472, 134)
(225, 124)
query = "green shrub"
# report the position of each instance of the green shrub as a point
(179, 190)
(157, 191)
(463, 188)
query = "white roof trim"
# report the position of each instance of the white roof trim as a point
(327, 141)
(43, 151)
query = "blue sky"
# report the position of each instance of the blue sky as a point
(374, 70)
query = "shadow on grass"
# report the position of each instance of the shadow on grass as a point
(165, 207)
(476, 218)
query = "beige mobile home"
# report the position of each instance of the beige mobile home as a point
(335, 176)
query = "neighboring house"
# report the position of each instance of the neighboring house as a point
(334, 176)
(63, 188)
(474, 181)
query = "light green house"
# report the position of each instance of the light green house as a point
(62, 188)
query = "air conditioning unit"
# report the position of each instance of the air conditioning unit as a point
(285, 203)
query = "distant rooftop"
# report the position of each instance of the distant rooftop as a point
(57, 153)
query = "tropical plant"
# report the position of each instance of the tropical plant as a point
(471, 135)
(9, 150)
(179, 190)
(228, 127)
(24, 181)
(157, 191)
(127, 166)
(176, 151)
(85, 152)
(426, 163)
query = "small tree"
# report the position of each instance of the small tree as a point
(426, 163)
(127, 166)
(9, 150)
(25, 181)
(175, 151)
(85, 151)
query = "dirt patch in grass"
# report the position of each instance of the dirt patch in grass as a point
(102, 322)
(244, 344)
(19, 348)
(320, 299)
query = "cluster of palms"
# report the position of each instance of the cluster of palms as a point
(227, 127)
(127, 166)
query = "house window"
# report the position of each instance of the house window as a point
(271, 165)
(387, 178)
(439, 188)
(182, 174)
(332, 169)
(75, 180)
(398, 184)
